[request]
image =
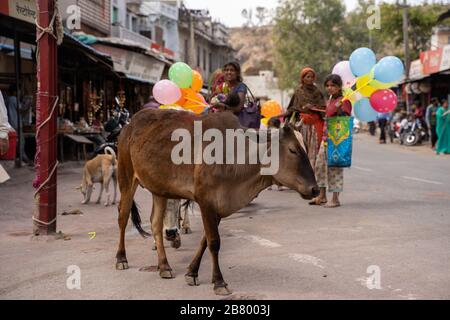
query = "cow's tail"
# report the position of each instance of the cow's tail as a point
(136, 219)
(186, 205)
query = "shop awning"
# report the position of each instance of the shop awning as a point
(431, 62)
(134, 65)
(89, 51)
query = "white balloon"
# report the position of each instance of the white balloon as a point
(344, 71)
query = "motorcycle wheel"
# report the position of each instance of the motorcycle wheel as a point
(411, 139)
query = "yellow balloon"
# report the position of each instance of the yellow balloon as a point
(265, 121)
(170, 106)
(363, 85)
(381, 85)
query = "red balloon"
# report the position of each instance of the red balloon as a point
(383, 100)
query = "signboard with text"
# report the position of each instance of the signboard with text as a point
(136, 65)
(24, 10)
(430, 62)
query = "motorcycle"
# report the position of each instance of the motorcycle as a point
(356, 126)
(120, 118)
(412, 132)
(394, 130)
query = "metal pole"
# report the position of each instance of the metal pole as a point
(18, 70)
(406, 45)
(47, 140)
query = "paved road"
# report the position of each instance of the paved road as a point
(394, 226)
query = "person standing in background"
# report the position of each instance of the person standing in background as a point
(430, 118)
(443, 129)
(4, 127)
(14, 110)
(383, 119)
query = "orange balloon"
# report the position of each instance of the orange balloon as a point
(271, 109)
(195, 107)
(189, 95)
(182, 101)
(197, 81)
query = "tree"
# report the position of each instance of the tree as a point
(306, 33)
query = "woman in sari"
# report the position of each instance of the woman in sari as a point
(305, 112)
(443, 129)
(229, 92)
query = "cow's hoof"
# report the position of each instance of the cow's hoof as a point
(106, 204)
(97, 202)
(154, 247)
(192, 280)
(222, 290)
(166, 274)
(187, 230)
(122, 265)
(176, 243)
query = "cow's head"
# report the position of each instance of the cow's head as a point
(295, 171)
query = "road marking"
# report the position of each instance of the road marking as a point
(363, 169)
(306, 258)
(422, 180)
(255, 239)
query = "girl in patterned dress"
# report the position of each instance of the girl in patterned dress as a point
(333, 178)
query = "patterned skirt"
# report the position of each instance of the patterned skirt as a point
(333, 178)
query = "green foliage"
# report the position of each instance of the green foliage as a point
(303, 35)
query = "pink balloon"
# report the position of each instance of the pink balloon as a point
(383, 100)
(343, 70)
(166, 92)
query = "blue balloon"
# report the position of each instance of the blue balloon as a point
(362, 61)
(364, 111)
(389, 69)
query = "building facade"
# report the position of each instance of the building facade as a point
(203, 42)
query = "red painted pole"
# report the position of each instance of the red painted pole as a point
(44, 219)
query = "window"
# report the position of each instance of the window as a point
(127, 23)
(198, 56)
(115, 15)
(204, 59)
(186, 51)
(134, 24)
(210, 63)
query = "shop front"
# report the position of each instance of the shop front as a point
(429, 77)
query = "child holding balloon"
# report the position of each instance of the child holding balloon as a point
(333, 178)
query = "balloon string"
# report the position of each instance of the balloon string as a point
(357, 90)
(192, 100)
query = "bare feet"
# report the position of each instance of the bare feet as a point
(333, 204)
(318, 201)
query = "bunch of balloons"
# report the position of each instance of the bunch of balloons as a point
(182, 90)
(270, 109)
(366, 83)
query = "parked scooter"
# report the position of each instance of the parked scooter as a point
(394, 130)
(356, 125)
(412, 132)
(113, 126)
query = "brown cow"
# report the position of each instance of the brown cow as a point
(144, 158)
